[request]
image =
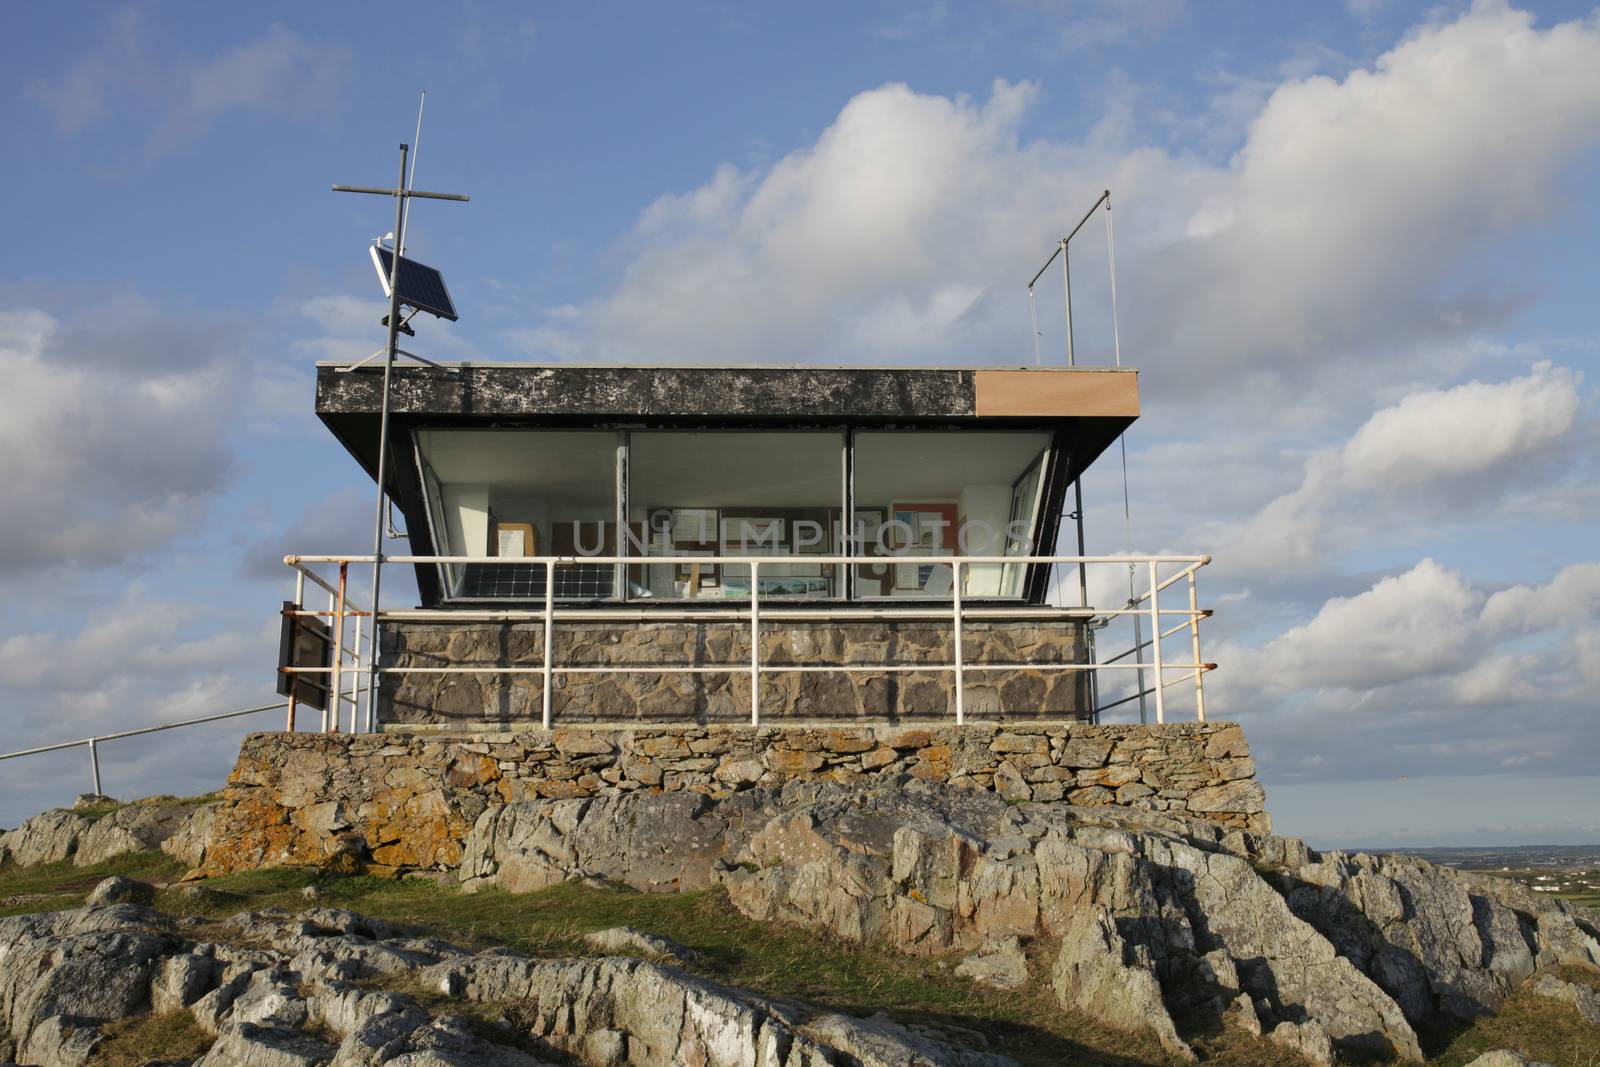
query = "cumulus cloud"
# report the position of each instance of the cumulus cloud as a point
(140, 659)
(278, 73)
(106, 458)
(1335, 233)
(1425, 669)
(1432, 454)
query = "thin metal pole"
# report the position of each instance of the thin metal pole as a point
(94, 766)
(335, 688)
(1033, 317)
(330, 691)
(1111, 268)
(411, 180)
(755, 644)
(1066, 285)
(1194, 647)
(955, 628)
(358, 722)
(549, 639)
(1083, 568)
(383, 416)
(1155, 643)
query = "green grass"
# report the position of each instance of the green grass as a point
(52, 886)
(767, 958)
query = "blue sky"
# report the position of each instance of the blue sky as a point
(1355, 263)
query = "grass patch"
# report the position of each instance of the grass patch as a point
(52, 886)
(1541, 1029)
(145, 1039)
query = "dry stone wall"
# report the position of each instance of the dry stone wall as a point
(409, 801)
(855, 695)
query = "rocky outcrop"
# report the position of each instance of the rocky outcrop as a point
(87, 835)
(409, 802)
(1148, 918)
(331, 987)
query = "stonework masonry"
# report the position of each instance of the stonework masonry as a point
(396, 802)
(850, 696)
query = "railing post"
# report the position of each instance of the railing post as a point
(1194, 643)
(755, 644)
(335, 689)
(548, 675)
(1155, 641)
(94, 765)
(299, 605)
(955, 637)
(357, 723)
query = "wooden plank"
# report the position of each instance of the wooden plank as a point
(1057, 392)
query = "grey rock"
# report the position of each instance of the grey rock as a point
(881, 1042)
(1098, 974)
(266, 1046)
(1506, 1058)
(188, 841)
(88, 966)
(61, 1042)
(999, 962)
(450, 1042)
(1584, 999)
(1205, 913)
(1308, 1039)
(119, 890)
(131, 828)
(46, 838)
(626, 941)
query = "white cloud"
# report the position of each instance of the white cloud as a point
(1571, 598)
(1431, 455)
(106, 459)
(1470, 430)
(1336, 233)
(1407, 626)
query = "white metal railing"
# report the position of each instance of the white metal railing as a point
(1159, 672)
(93, 743)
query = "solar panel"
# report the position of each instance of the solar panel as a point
(421, 286)
(525, 581)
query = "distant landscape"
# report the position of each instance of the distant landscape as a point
(1571, 872)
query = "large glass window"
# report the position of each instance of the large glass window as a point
(719, 493)
(709, 495)
(945, 493)
(517, 493)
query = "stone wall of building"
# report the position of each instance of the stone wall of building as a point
(408, 801)
(849, 696)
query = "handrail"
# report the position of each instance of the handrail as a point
(1143, 607)
(92, 742)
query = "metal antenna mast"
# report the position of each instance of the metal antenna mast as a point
(1062, 249)
(402, 194)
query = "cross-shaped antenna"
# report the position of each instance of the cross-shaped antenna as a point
(403, 194)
